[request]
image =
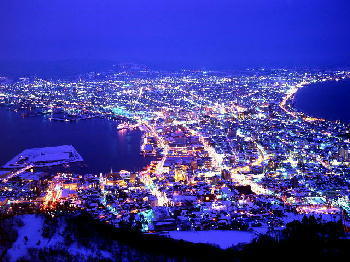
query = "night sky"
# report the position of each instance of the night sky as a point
(216, 33)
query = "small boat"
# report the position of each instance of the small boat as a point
(123, 126)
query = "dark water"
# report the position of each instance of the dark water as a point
(96, 140)
(329, 100)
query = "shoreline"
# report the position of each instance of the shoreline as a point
(50, 142)
(288, 103)
(320, 115)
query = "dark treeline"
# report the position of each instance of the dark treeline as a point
(307, 240)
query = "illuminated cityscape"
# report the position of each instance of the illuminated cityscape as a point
(229, 150)
(174, 131)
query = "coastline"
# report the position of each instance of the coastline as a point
(288, 103)
(327, 103)
(112, 144)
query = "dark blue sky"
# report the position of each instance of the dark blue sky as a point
(190, 32)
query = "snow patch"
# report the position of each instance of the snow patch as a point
(224, 239)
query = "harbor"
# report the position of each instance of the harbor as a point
(97, 140)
